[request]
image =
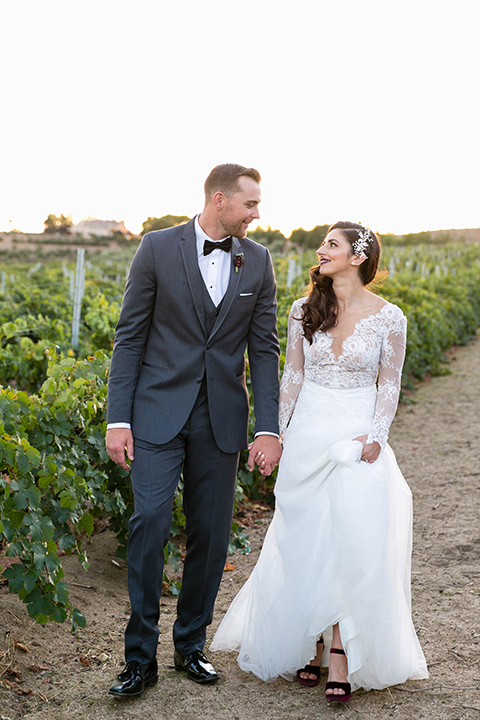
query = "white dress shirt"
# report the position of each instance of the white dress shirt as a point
(215, 267)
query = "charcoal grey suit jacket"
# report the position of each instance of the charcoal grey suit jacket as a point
(162, 350)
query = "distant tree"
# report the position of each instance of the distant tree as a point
(58, 223)
(268, 237)
(166, 221)
(309, 238)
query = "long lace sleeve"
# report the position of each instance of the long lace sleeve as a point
(293, 371)
(389, 376)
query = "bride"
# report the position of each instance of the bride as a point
(332, 584)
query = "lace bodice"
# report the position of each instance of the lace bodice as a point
(373, 353)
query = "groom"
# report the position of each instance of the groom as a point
(196, 297)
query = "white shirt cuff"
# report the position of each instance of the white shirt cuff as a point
(265, 432)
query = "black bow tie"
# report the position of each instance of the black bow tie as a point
(208, 245)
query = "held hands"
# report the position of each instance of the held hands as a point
(371, 451)
(118, 441)
(265, 451)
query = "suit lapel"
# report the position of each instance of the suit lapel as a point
(194, 277)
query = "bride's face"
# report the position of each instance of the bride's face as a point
(335, 254)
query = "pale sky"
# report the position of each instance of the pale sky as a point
(364, 110)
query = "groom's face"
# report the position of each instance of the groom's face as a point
(240, 209)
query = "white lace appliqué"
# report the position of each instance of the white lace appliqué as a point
(373, 353)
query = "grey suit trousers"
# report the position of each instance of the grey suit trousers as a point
(209, 488)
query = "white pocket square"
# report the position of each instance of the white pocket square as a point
(245, 294)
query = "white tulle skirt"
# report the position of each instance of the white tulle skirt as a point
(337, 551)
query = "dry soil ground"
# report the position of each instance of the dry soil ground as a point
(436, 441)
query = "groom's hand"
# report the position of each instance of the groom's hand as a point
(265, 451)
(119, 441)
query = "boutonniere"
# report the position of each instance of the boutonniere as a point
(238, 260)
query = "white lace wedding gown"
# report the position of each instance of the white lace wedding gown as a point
(339, 546)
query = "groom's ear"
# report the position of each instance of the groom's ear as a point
(219, 200)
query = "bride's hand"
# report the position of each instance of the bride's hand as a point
(371, 451)
(265, 451)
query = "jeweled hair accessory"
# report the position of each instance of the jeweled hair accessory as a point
(361, 245)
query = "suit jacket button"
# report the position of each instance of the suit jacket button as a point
(198, 380)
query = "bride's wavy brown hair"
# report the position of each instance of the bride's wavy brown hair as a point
(320, 310)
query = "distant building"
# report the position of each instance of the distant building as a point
(103, 228)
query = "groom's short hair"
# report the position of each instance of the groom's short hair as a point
(224, 178)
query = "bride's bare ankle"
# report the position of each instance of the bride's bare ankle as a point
(338, 665)
(317, 660)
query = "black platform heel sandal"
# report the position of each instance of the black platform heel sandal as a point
(311, 670)
(346, 687)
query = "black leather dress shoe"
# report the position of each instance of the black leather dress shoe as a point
(134, 679)
(196, 666)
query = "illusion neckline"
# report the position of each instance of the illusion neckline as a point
(355, 328)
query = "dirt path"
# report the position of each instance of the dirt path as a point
(436, 442)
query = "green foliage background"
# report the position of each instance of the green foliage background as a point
(56, 480)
